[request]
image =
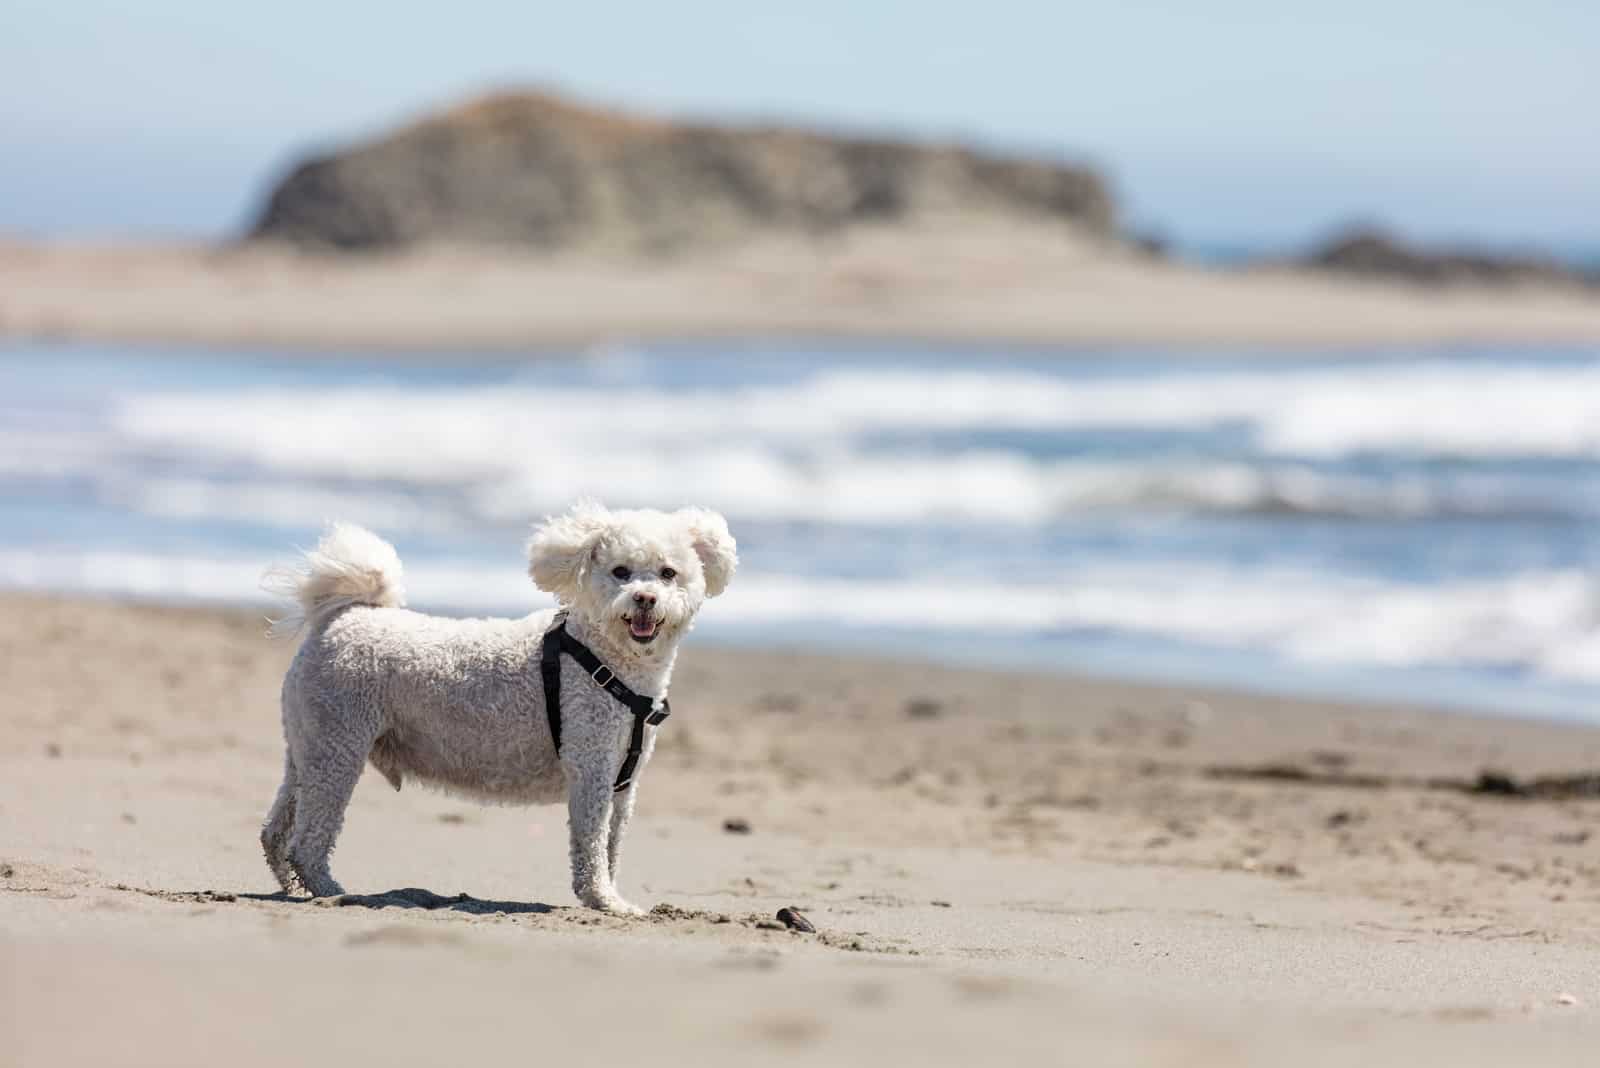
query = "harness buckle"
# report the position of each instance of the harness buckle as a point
(657, 717)
(603, 683)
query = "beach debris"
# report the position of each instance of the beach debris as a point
(936, 903)
(736, 825)
(1583, 786)
(924, 708)
(1543, 788)
(794, 921)
(1567, 999)
(1294, 773)
(7, 871)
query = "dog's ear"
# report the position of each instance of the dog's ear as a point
(718, 552)
(561, 547)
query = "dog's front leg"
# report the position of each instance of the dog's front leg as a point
(589, 808)
(621, 813)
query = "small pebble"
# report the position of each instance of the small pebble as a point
(940, 904)
(736, 826)
(792, 919)
(1567, 999)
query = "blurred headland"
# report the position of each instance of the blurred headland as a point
(535, 170)
(525, 220)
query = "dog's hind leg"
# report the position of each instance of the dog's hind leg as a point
(280, 821)
(327, 768)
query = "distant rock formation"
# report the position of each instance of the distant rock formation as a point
(1373, 253)
(538, 171)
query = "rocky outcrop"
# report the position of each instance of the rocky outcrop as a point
(1373, 253)
(538, 171)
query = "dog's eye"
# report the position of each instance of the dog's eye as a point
(668, 573)
(621, 573)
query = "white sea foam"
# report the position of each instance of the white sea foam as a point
(842, 484)
(1435, 408)
(1547, 624)
(805, 451)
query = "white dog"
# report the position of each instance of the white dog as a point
(460, 703)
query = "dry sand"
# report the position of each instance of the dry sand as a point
(992, 284)
(999, 866)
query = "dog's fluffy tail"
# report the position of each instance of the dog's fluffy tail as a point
(350, 565)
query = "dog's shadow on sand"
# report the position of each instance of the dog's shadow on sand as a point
(411, 897)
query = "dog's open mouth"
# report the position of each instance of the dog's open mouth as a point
(642, 627)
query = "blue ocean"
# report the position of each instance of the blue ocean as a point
(1396, 524)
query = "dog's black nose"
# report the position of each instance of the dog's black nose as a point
(645, 600)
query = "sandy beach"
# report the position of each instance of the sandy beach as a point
(994, 283)
(998, 866)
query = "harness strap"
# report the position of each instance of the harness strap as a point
(550, 668)
(557, 641)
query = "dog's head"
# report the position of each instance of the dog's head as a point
(640, 576)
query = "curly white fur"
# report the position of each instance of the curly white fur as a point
(459, 703)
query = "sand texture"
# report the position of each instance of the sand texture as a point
(996, 283)
(998, 867)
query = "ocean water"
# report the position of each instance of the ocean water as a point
(1390, 524)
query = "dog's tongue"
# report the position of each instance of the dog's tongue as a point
(642, 627)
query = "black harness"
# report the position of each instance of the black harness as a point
(558, 641)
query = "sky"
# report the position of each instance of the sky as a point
(1230, 122)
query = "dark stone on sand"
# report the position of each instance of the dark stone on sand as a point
(792, 919)
(923, 708)
(538, 171)
(736, 826)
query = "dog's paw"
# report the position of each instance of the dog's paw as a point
(625, 908)
(614, 906)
